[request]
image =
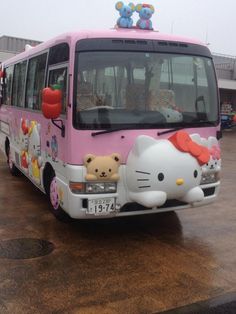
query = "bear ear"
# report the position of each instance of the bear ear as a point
(132, 6)
(138, 7)
(119, 5)
(88, 158)
(152, 8)
(116, 157)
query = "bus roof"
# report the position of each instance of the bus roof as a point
(73, 37)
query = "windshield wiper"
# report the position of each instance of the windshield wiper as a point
(111, 130)
(171, 130)
(201, 123)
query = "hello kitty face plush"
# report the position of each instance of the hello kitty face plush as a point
(34, 140)
(158, 170)
(171, 115)
(24, 134)
(214, 163)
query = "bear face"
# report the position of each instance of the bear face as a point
(126, 12)
(102, 168)
(145, 13)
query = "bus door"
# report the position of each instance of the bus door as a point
(57, 78)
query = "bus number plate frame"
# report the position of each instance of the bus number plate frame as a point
(101, 206)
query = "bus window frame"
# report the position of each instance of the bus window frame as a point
(45, 76)
(24, 89)
(4, 86)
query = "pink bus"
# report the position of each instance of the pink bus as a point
(113, 123)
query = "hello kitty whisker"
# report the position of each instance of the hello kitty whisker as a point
(143, 172)
(142, 179)
(144, 186)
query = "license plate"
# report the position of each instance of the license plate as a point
(101, 206)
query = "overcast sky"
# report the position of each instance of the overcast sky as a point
(211, 21)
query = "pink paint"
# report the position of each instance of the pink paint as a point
(119, 142)
(78, 143)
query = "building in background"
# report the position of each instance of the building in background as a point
(226, 73)
(10, 46)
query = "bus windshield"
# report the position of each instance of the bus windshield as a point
(143, 90)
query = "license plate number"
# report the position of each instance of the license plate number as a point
(101, 206)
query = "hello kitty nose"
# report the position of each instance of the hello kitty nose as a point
(180, 181)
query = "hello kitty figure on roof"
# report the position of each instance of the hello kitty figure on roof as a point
(126, 11)
(145, 13)
(158, 170)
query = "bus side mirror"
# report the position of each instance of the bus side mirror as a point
(51, 103)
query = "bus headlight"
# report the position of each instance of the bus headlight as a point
(92, 187)
(208, 178)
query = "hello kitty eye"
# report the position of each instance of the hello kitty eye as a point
(96, 170)
(207, 164)
(195, 173)
(109, 170)
(160, 176)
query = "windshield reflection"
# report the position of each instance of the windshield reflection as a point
(143, 90)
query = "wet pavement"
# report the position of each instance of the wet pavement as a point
(131, 265)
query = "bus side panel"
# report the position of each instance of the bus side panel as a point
(34, 142)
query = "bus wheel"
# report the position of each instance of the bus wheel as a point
(13, 169)
(56, 209)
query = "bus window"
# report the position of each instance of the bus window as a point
(19, 84)
(35, 81)
(8, 85)
(58, 54)
(59, 77)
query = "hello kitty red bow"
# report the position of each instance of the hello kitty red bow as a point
(183, 142)
(24, 127)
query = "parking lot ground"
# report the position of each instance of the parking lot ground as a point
(131, 265)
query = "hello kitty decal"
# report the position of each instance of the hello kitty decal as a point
(54, 148)
(34, 151)
(24, 143)
(158, 170)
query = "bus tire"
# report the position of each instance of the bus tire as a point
(53, 196)
(12, 168)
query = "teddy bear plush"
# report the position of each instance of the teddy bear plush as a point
(145, 13)
(102, 168)
(126, 11)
